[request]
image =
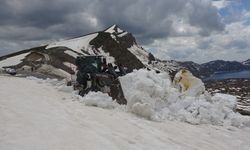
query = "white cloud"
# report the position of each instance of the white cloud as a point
(231, 44)
(219, 4)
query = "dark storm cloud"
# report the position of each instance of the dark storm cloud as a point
(25, 20)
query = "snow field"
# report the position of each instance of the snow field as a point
(35, 115)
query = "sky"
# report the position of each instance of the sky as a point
(184, 30)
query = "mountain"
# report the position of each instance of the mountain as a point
(247, 62)
(118, 46)
(207, 69)
(58, 58)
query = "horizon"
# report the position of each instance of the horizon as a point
(198, 31)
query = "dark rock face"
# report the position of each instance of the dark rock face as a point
(118, 49)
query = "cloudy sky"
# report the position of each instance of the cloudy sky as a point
(197, 30)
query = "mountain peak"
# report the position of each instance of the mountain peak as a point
(247, 62)
(114, 29)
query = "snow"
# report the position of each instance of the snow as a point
(71, 53)
(112, 29)
(35, 115)
(122, 34)
(109, 59)
(153, 96)
(98, 99)
(72, 66)
(141, 54)
(48, 69)
(76, 44)
(12, 61)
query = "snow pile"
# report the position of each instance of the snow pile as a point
(98, 99)
(153, 96)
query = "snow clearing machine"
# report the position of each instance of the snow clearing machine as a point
(94, 74)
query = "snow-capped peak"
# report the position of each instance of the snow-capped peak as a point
(114, 29)
(247, 62)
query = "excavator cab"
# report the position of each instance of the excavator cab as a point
(95, 75)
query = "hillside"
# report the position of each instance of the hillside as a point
(58, 58)
(207, 69)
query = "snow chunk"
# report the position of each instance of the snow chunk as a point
(76, 44)
(98, 99)
(12, 61)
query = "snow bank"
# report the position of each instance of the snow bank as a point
(153, 96)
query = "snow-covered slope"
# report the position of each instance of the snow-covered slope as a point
(77, 44)
(13, 60)
(247, 62)
(35, 115)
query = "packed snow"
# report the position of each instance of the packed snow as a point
(36, 114)
(76, 44)
(12, 61)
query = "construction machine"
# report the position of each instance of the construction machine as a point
(94, 74)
